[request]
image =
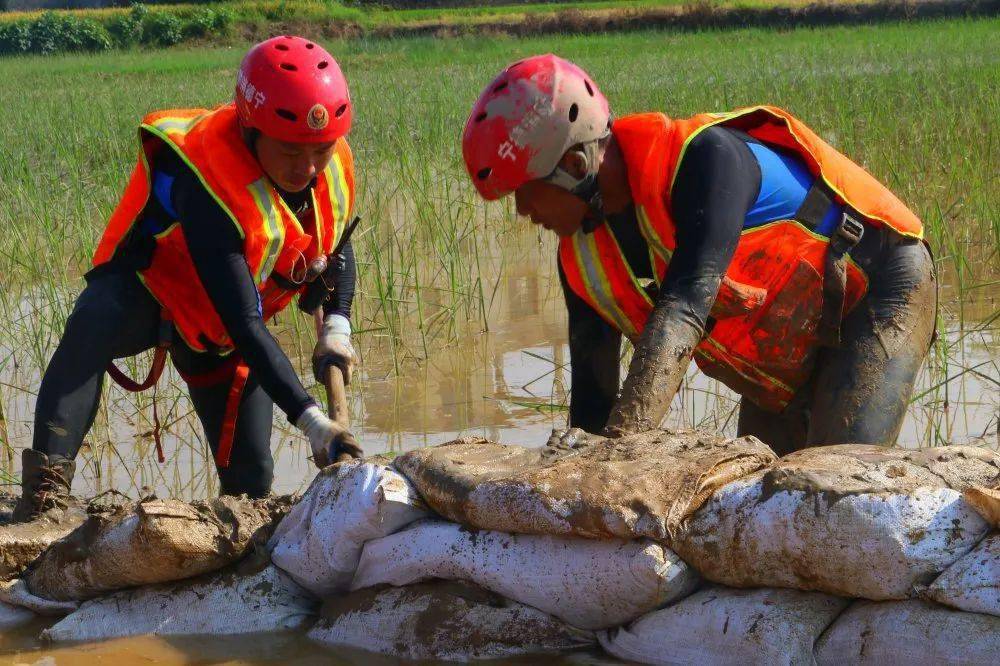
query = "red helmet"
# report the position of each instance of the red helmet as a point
(291, 89)
(526, 120)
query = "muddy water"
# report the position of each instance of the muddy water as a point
(508, 384)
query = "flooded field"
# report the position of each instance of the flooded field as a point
(460, 320)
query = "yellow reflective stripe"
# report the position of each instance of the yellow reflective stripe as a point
(596, 282)
(752, 380)
(175, 123)
(338, 194)
(262, 195)
(652, 237)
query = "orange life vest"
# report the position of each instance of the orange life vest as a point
(763, 335)
(277, 246)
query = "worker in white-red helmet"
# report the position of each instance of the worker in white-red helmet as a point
(740, 239)
(225, 212)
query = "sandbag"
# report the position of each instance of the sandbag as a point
(973, 583)
(15, 593)
(724, 625)
(643, 485)
(152, 541)
(221, 603)
(589, 584)
(856, 521)
(12, 617)
(319, 542)
(986, 501)
(444, 620)
(909, 633)
(22, 543)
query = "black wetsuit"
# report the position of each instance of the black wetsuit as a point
(857, 393)
(115, 316)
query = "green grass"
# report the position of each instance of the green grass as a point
(917, 104)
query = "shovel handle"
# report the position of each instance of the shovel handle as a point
(336, 393)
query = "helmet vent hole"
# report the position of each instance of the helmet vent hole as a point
(286, 114)
(340, 110)
(310, 45)
(590, 90)
(289, 66)
(281, 47)
(481, 117)
(323, 64)
(500, 87)
(574, 111)
(483, 174)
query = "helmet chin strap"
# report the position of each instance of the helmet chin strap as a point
(585, 188)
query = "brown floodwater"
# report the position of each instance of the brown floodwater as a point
(509, 383)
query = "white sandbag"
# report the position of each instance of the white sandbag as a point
(909, 633)
(16, 593)
(12, 617)
(319, 542)
(217, 604)
(973, 583)
(588, 583)
(445, 620)
(724, 625)
(856, 521)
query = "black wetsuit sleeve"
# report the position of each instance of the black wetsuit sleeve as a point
(594, 347)
(343, 293)
(717, 182)
(217, 251)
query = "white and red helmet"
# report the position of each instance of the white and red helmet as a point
(291, 89)
(525, 121)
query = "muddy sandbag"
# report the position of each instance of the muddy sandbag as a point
(851, 520)
(973, 583)
(15, 593)
(221, 603)
(643, 485)
(588, 583)
(909, 633)
(22, 543)
(445, 620)
(986, 501)
(319, 542)
(725, 625)
(152, 541)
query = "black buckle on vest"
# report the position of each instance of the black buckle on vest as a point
(847, 234)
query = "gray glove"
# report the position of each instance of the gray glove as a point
(333, 347)
(327, 438)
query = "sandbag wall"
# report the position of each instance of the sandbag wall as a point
(661, 548)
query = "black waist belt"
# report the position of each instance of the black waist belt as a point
(843, 238)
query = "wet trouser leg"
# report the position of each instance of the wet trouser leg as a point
(251, 465)
(113, 317)
(859, 392)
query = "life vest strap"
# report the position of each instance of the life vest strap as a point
(164, 340)
(235, 371)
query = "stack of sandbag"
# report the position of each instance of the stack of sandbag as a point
(723, 625)
(856, 521)
(237, 600)
(588, 583)
(644, 485)
(151, 541)
(319, 543)
(443, 620)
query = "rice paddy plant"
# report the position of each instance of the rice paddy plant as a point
(916, 104)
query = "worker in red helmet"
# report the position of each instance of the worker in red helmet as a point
(219, 224)
(740, 239)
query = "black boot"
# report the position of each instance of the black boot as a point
(45, 484)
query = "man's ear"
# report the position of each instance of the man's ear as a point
(575, 163)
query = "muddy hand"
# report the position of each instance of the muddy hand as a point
(570, 439)
(345, 447)
(324, 435)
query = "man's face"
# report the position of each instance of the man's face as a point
(292, 166)
(550, 206)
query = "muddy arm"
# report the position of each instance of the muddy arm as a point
(717, 183)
